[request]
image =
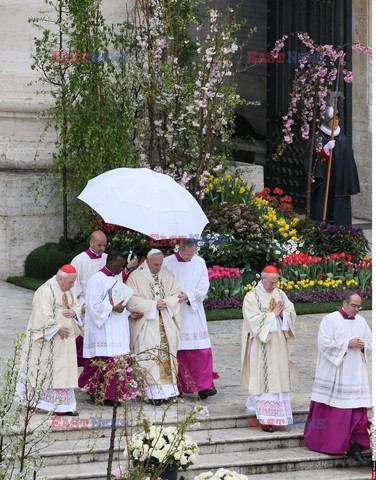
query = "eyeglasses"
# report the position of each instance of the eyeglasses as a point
(353, 305)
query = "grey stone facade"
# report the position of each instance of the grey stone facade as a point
(28, 221)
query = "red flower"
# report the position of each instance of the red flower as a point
(285, 206)
(277, 191)
(264, 193)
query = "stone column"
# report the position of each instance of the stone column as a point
(361, 120)
(25, 221)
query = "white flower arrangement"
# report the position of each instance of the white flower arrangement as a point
(165, 447)
(221, 474)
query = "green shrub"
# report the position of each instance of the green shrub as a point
(36, 262)
(43, 262)
(324, 239)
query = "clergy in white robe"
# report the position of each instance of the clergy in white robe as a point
(195, 357)
(337, 421)
(156, 296)
(48, 361)
(266, 370)
(89, 262)
(106, 329)
(86, 264)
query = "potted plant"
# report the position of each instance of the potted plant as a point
(160, 451)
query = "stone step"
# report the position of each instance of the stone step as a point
(353, 473)
(98, 425)
(210, 442)
(258, 462)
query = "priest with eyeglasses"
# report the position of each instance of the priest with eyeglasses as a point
(340, 395)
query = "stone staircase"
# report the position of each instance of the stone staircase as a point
(224, 441)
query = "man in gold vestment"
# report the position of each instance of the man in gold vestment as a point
(156, 295)
(49, 357)
(266, 372)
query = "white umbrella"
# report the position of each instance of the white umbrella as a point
(146, 201)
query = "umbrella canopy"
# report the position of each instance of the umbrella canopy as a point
(146, 201)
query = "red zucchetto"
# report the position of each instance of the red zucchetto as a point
(270, 269)
(68, 268)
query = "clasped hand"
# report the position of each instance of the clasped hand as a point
(64, 332)
(161, 305)
(119, 307)
(68, 312)
(356, 343)
(182, 297)
(278, 309)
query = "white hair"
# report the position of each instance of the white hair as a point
(264, 274)
(62, 274)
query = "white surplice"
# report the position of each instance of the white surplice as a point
(86, 267)
(341, 373)
(106, 332)
(193, 280)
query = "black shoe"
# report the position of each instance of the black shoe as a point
(172, 400)
(155, 401)
(209, 392)
(68, 414)
(356, 454)
(268, 428)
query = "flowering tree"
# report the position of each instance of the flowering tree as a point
(167, 102)
(184, 61)
(318, 69)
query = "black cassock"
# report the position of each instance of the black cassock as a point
(344, 181)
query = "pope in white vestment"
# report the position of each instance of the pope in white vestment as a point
(337, 420)
(266, 370)
(194, 355)
(156, 296)
(48, 361)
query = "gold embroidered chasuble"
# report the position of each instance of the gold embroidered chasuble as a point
(269, 369)
(157, 329)
(45, 343)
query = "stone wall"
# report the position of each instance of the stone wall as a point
(27, 220)
(361, 120)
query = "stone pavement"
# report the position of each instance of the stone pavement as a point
(15, 307)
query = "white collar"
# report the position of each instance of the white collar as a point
(54, 282)
(146, 269)
(261, 287)
(328, 131)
